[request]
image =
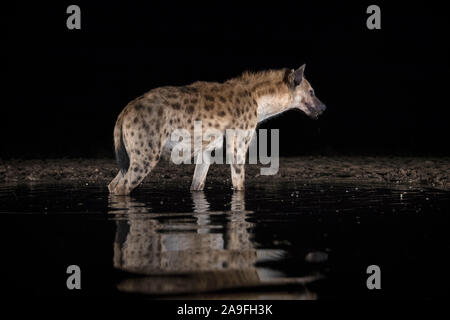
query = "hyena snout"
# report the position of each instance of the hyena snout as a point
(321, 107)
(315, 109)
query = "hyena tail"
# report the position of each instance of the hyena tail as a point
(122, 158)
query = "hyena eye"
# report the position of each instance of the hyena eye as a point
(311, 92)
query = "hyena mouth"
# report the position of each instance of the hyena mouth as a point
(313, 113)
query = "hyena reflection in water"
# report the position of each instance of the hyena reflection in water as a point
(176, 255)
(184, 246)
(142, 130)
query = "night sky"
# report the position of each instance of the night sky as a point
(384, 89)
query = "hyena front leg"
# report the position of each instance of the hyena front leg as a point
(201, 167)
(198, 181)
(238, 147)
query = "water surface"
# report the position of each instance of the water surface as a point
(281, 241)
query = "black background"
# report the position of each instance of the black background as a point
(385, 89)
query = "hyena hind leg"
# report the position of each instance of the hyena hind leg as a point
(137, 171)
(112, 185)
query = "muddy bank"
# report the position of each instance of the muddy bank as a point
(405, 171)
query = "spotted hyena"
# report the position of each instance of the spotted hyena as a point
(142, 130)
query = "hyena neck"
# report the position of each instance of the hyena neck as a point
(272, 105)
(270, 89)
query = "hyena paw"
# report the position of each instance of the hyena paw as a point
(197, 187)
(120, 190)
(111, 187)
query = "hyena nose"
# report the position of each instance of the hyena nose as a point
(322, 107)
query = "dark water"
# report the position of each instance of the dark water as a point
(291, 241)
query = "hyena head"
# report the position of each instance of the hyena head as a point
(303, 96)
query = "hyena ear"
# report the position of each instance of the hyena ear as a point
(298, 75)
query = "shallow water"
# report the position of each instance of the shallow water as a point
(282, 241)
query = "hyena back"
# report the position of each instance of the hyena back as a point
(143, 128)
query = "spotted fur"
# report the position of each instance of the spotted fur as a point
(143, 128)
